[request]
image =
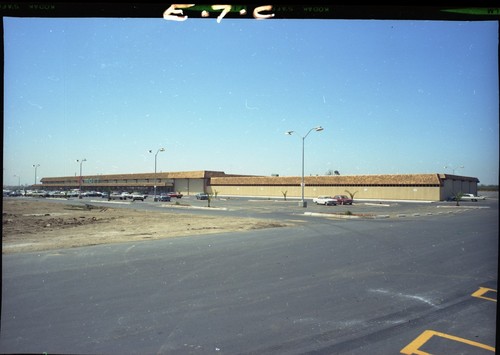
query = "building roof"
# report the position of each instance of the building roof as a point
(395, 180)
(221, 178)
(199, 174)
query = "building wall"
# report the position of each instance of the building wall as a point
(189, 186)
(360, 192)
(453, 186)
(424, 187)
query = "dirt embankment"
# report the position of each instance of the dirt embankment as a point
(35, 225)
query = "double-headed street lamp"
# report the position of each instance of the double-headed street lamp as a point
(35, 166)
(303, 203)
(453, 169)
(80, 181)
(156, 155)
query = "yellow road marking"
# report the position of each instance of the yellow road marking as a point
(413, 347)
(482, 290)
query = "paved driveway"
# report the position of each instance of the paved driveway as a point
(325, 286)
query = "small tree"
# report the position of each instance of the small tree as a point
(284, 194)
(330, 172)
(351, 194)
(215, 193)
(209, 199)
(458, 197)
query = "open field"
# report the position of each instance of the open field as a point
(35, 225)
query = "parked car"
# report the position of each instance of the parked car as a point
(175, 194)
(91, 194)
(468, 197)
(119, 196)
(73, 193)
(202, 196)
(14, 193)
(135, 196)
(343, 200)
(39, 193)
(164, 198)
(325, 200)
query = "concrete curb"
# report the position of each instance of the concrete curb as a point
(196, 207)
(464, 207)
(333, 215)
(112, 202)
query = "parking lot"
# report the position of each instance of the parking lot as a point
(359, 209)
(418, 281)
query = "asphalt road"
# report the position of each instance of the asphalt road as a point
(422, 282)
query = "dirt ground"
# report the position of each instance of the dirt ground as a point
(34, 225)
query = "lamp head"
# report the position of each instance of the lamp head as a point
(319, 129)
(289, 133)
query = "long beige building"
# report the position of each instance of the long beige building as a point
(419, 187)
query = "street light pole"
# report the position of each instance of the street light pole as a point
(156, 155)
(303, 203)
(453, 169)
(80, 181)
(35, 166)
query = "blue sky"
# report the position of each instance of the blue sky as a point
(393, 96)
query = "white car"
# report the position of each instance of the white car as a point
(119, 196)
(135, 196)
(325, 200)
(472, 197)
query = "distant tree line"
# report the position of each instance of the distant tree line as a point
(487, 187)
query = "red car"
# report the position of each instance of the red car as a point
(343, 200)
(174, 194)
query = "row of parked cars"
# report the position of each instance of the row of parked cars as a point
(134, 196)
(332, 201)
(39, 193)
(165, 197)
(169, 195)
